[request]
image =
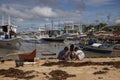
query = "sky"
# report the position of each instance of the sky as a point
(32, 14)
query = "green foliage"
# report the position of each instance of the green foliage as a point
(100, 26)
(116, 28)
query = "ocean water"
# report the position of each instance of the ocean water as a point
(29, 46)
(51, 47)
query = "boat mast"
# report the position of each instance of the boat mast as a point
(52, 27)
(59, 27)
(9, 25)
(9, 20)
(2, 20)
(45, 30)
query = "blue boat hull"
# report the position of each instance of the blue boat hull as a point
(54, 39)
(99, 50)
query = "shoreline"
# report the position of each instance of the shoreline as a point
(87, 69)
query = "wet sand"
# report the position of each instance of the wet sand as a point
(87, 69)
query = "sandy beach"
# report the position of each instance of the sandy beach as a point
(87, 69)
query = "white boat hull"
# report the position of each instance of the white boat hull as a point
(13, 43)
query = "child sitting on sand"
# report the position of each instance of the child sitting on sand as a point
(79, 54)
(63, 54)
(72, 52)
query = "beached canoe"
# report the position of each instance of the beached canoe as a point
(28, 56)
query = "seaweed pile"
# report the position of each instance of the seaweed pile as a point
(115, 64)
(16, 73)
(103, 71)
(60, 75)
(100, 72)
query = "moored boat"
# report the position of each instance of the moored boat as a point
(98, 47)
(54, 39)
(13, 43)
(8, 38)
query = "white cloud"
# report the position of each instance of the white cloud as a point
(68, 14)
(38, 13)
(44, 11)
(117, 21)
(13, 12)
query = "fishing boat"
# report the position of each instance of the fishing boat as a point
(13, 43)
(42, 33)
(8, 38)
(98, 47)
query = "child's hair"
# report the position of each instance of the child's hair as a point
(66, 48)
(76, 48)
(71, 47)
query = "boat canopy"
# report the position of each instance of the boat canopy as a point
(96, 44)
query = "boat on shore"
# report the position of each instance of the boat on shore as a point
(29, 56)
